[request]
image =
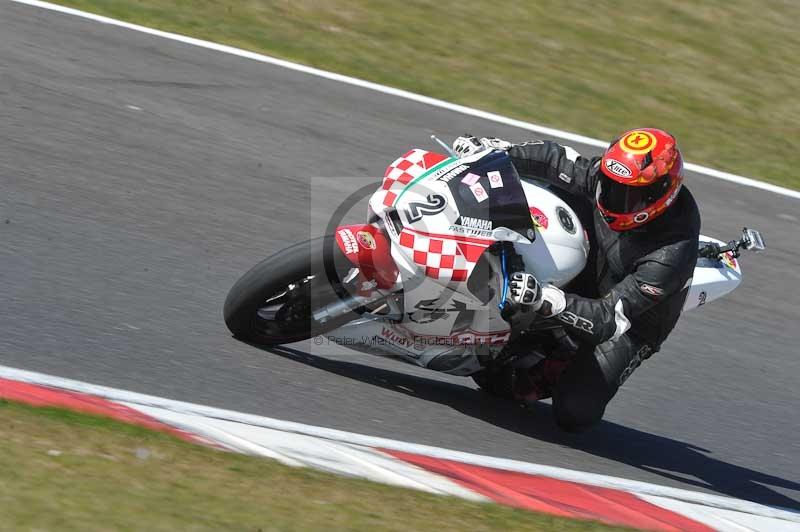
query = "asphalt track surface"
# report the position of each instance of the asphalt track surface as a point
(140, 177)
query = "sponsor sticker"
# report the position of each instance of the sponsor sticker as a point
(495, 179)
(651, 290)
(576, 321)
(539, 218)
(461, 230)
(729, 260)
(470, 179)
(641, 217)
(348, 240)
(479, 192)
(448, 172)
(638, 142)
(672, 197)
(434, 204)
(617, 168)
(366, 240)
(565, 178)
(475, 223)
(642, 354)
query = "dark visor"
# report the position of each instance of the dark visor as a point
(624, 199)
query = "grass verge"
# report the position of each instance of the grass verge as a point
(60, 470)
(723, 75)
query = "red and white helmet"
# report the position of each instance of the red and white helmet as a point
(640, 175)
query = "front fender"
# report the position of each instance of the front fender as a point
(368, 248)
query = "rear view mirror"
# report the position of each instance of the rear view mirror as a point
(752, 240)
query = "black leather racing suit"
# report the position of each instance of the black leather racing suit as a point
(633, 289)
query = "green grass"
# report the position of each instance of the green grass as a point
(64, 471)
(723, 75)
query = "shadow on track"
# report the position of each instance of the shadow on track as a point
(659, 455)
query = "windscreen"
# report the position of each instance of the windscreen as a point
(488, 195)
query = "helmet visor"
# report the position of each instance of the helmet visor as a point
(625, 199)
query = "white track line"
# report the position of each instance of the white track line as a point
(542, 130)
(643, 488)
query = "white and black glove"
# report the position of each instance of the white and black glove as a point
(553, 301)
(524, 290)
(494, 142)
(467, 145)
(527, 299)
(523, 299)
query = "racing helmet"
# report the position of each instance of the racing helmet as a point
(640, 176)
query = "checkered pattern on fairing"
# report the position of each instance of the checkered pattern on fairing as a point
(405, 169)
(443, 258)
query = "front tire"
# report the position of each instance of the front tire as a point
(273, 303)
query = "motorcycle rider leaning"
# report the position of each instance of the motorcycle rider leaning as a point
(645, 231)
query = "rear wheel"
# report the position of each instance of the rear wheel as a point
(274, 302)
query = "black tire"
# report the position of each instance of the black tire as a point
(271, 277)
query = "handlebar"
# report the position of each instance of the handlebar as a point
(751, 240)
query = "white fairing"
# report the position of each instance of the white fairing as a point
(444, 323)
(559, 252)
(712, 278)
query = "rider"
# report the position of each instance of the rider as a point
(645, 230)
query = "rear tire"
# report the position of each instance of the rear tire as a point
(271, 277)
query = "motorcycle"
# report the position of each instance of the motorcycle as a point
(424, 280)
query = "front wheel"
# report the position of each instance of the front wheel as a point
(274, 302)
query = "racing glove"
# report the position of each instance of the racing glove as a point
(494, 142)
(523, 299)
(527, 300)
(467, 145)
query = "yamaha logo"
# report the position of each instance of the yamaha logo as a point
(617, 168)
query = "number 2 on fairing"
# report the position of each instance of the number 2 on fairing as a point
(418, 209)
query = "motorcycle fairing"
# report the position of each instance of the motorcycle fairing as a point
(368, 248)
(712, 278)
(443, 213)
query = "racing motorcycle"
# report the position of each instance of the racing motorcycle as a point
(425, 278)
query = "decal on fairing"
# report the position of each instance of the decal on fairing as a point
(434, 204)
(702, 297)
(443, 257)
(470, 179)
(408, 169)
(468, 337)
(729, 260)
(539, 218)
(495, 179)
(348, 241)
(366, 240)
(479, 192)
(474, 223)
